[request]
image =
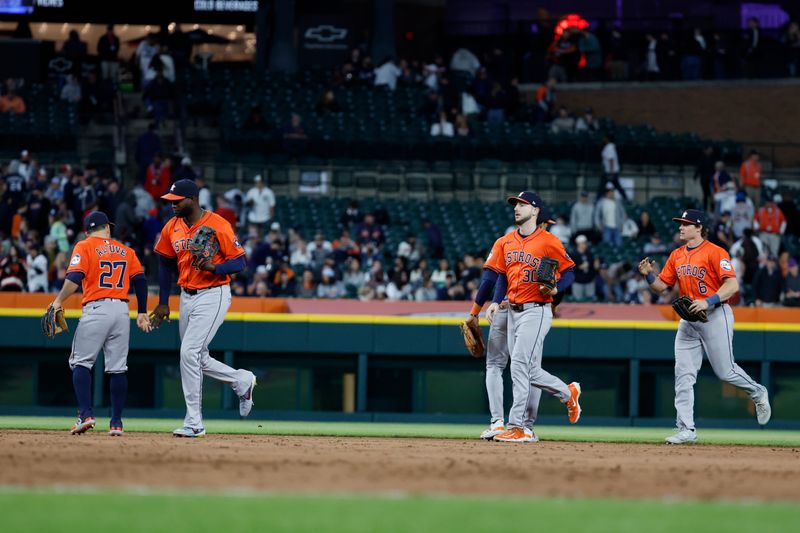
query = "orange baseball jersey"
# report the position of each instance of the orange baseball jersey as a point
(174, 243)
(750, 172)
(699, 272)
(107, 267)
(518, 258)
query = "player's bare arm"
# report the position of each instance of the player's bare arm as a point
(66, 291)
(729, 287)
(646, 267)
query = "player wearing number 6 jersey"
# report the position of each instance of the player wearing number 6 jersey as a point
(704, 273)
(105, 269)
(516, 257)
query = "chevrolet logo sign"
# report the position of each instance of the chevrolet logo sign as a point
(326, 33)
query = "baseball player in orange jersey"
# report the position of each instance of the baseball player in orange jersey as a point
(205, 298)
(104, 268)
(515, 257)
(497, 354)
(704, 273)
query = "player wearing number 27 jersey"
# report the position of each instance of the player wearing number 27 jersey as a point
(105, 269)
(704, 273)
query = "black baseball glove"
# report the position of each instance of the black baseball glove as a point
(546, 273)
(203, 245)
(53, 322)
(681, 306)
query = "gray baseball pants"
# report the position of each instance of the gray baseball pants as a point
(497, 356)
(526, 332)
(104, 324)
(201, 315)
(715, 338)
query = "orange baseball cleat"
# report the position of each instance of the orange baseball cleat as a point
(573, 407)
(516, 434)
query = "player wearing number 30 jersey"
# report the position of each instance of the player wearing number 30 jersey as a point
(704, 273)
(105, 269)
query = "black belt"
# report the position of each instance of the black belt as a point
(192, 292)
(106, 300)
(521, 307)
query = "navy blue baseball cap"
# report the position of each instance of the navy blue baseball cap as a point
(693, 216)
(182, 189)
(526, 197)
(95, 220)
(545, 215)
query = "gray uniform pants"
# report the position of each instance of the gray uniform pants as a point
(201, 315)
(497, 356)
(103, 324)
(715, 338)
(526, 332)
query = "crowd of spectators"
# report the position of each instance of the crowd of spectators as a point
(42, 210)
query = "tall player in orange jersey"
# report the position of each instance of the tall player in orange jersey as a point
(205, 298)
(515, 257)
(704, 273)
(105, 269)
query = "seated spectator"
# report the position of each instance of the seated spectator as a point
(546, 99)
(330, 287)
(344, 248)
(426, 292)
(420, 271)
(430, 107)
(319, 249)
(12, 271)
(11, 102)
(307, 287)
(646, 227)
(157, 177)
(434, 236)
(351, 215)
(226, 211)
(255, 120)
(158, 95)
(771, 225)
(721, 234)
(742, 215)
(398, 288)
(284, 282)
(442, 128)
(563, 123)
(581, 217)
(354, 278)
(409, 248)
(386, 75)
(583, 288)
(186, 172)
(37, 269)
(655, 246)
(440, 274)
(328, 104)
(71, 91)
(369, 231)
(791, 285)
(300, 256)
(261, 290)
(561, 230)
(295, 139)
(767, 284)
(587, 122)
(462, 126)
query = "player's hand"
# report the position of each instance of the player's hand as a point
(143, 322)
(491, 310)
(159, 314)
(645, 266)
(544, 289)
(698, 305)
(472, 319)
(206, 265)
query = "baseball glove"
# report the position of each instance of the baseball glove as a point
(203, 245)
(546, 273)
(159, 314)
(473, 338)
(53, 322)
(681, 306)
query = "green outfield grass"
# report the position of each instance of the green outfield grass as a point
(33, 511)
(439, 431)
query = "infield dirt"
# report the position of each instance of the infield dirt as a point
(338, 464)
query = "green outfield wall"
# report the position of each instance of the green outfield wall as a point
(398, 367)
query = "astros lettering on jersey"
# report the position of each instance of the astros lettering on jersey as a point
(107, 267)
(174, 244)
(699, 271)
(518, 258)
